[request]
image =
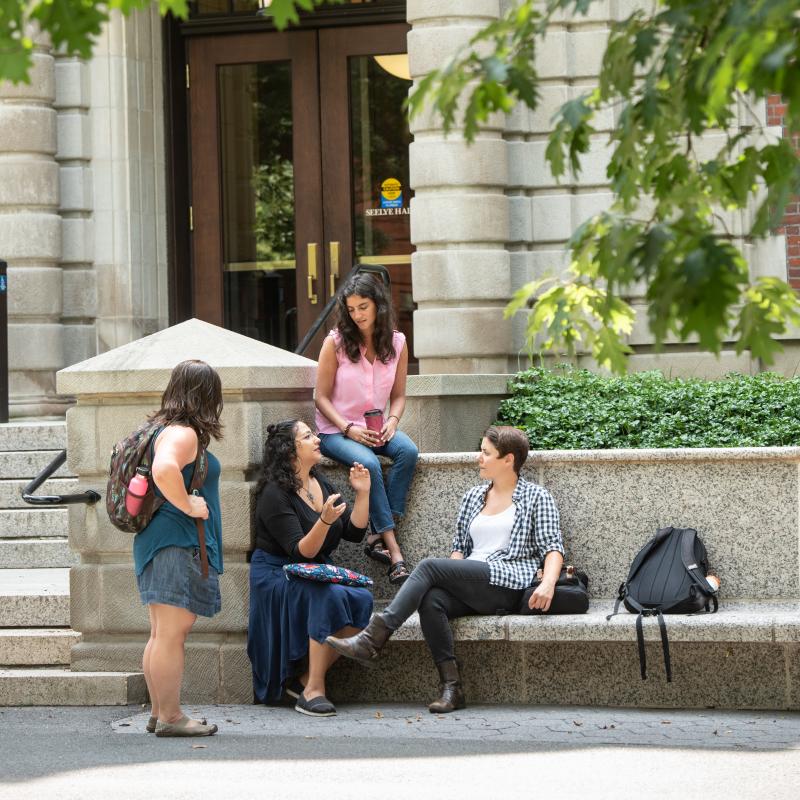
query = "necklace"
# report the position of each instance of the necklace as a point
(310, 496)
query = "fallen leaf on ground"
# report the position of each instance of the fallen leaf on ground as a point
(378, 715)
(199, 746)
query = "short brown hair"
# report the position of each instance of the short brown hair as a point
(507, 439)
(193, 397)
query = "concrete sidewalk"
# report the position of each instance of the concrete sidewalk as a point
(402, 751)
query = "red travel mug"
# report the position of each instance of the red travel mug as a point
(374, 419)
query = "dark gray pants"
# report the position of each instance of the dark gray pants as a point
(443, 589)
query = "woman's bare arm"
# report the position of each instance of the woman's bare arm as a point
(176, 447)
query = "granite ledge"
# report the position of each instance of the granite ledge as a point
(734, 622)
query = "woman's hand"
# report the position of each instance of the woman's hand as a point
(542, 596)
(359, 478)
(197, 507)
(364, 436)
(389, 429)
(330, 511)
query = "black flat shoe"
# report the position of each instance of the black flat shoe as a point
(316, 707)
(293, 687)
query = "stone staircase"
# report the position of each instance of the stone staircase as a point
(35, 634)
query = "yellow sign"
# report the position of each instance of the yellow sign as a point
(390, 189)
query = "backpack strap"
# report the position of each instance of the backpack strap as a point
(693, 568)
(661, 534)
(665, 645)
(198, 479)
(640, 643)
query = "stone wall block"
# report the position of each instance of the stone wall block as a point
(520, 165)
(585, 52)
(84, 598)
(72, 83)
(459, 218)
(456, 163)
(30, 235)
(80, 295)
(552, 97)
(35, 346)
(28, 183)
(538, 167)
(34, 292)
(551, 54)
(42, 82)
(519, 213)
(460, 332)
(551, 217)
(77, 241)
(236, 673)
(451, 275)
(76, 188)
(423, 10)
(79, 342)
(27, 129)
(518, 120)
(74, 136)
(594, 164)
(587, 205)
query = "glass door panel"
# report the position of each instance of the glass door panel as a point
(257, 173)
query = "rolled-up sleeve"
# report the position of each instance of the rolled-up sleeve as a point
(547, 525)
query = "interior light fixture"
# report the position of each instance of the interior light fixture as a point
(396, 65)
(263, 8)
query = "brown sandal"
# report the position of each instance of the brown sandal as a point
(376, 550)
(398, 573)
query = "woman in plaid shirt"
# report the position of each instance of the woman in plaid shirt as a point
(506, 530)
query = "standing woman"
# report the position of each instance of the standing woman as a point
(167, 552)
(363, 365)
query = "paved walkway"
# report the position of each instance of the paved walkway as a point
(403, 751)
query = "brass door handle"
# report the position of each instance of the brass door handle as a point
(334, 252)
(312, 272)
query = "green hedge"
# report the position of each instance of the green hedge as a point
(571, 409)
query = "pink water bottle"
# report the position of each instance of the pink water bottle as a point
(137, 490)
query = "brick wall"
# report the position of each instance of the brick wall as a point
(776, 109)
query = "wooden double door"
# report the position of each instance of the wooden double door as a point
(299, 170)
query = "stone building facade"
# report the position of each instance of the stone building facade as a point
(92, 220)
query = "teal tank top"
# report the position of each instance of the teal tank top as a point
(170, 527)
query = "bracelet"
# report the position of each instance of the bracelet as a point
(347, 428)
(395, 416)
(323, 521)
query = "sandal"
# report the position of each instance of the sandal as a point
(376, 550)
(185, 726)
(151, 724)
(398, 573)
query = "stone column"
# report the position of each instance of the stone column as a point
(460, 213)
(30, 237)
(115, 391)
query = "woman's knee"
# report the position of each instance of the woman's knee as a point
(405, 449)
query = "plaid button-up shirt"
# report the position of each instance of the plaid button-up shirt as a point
(536, 532)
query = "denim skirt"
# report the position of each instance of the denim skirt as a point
(173, 577)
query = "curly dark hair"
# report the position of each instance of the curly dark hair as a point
(365, 284)
(280, 453)
(193, 397)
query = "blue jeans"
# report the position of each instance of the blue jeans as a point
(384, 500)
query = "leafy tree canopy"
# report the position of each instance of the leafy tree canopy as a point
(672, 74)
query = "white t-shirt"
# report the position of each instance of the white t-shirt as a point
(490, 533)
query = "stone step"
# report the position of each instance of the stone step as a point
(48, 686)
(36, 554)
(36, 646)
(34, 598)
(29, 463)
(11, 491)
(33, 523)
(33, 435)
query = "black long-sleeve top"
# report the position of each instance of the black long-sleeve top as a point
(283, 519)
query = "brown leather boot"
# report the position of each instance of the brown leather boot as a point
(365, 646)
(452, 693)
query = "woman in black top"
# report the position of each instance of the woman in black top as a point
(299, 518)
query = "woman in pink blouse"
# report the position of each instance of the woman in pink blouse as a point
(362, 366)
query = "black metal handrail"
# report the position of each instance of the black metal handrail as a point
(377, 269)
(89, 496)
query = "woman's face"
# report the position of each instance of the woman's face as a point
(306, 443)
(490, 462)
(362, 311)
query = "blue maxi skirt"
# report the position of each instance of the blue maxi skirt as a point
(285, 613)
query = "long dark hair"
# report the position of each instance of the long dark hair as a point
(280, 456)
(365, 284)
(193, 397)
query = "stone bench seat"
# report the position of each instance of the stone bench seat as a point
(738, 621)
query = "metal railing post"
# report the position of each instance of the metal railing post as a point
(3, 341)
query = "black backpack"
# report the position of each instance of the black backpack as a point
(668, 576)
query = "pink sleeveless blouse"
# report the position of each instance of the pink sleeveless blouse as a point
(360, 386)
